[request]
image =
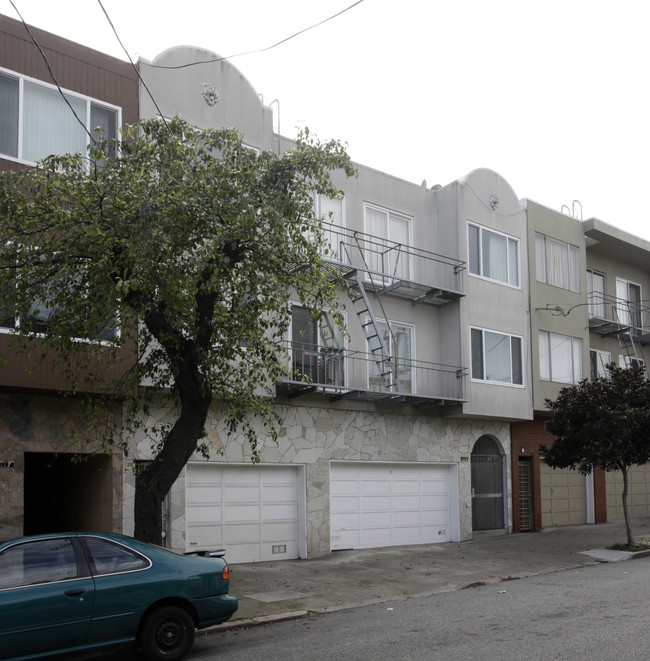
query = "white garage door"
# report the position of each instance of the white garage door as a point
(373, 504)
(251, 511)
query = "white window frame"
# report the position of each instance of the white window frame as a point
(513, 272)
(596, 297)
(371, 366)
(546, 352)
(485, 378)
(626, 314)
(336, 234)
(372, 254)
(89, 101)
(598, 359)
(547, 275)
(319, 340)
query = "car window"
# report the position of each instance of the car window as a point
(42, 561)
(106, 557)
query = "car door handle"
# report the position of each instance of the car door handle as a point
(74, 593)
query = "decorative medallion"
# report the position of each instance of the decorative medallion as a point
(210, 94)
(494, 202)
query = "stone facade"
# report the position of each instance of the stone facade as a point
(48, 426)
(313, 436)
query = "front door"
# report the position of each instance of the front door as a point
(488, 498)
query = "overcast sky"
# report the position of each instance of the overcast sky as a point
(553, 95)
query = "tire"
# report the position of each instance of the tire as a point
(167, 634)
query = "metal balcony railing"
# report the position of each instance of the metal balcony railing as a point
(609, 315)
(396, 268)
(340, 373)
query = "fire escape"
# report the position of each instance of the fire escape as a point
(629, 322)
(372, 268)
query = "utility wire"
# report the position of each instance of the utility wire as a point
(137, 73)
(260, 50)
(49, 68)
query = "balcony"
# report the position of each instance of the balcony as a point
(387, 267)
(609, 315)
(339, 373)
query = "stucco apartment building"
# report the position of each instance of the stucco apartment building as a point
(446, 280)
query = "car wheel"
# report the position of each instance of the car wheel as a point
(166, 634)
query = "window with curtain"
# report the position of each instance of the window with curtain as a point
(398, 340)
(560, 357)
(496, 357)
(493, 255)
(558, 263)
(331, 213)
(389, 251)
(628, 303)
(596, 294)
(597, 362)
(36, 121)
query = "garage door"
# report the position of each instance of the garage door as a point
(564, 496)
(373, 504)
(251, 511)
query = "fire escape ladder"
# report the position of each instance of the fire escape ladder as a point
(376, 345)
(631, 350)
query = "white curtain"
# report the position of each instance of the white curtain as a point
(495, 256)
(49, 127)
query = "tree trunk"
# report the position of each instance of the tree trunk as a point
(155, 479)
(628, 527)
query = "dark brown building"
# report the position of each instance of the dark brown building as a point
(42, 485)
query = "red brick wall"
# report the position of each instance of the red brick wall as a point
(528, 436)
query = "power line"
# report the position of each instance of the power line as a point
(260, 50)
(137, 73)
(49, 68)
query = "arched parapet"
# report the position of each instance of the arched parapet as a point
(206, 90)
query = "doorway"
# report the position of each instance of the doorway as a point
(488, 479)
(67, 492)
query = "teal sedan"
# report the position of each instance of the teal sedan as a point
(64, 593)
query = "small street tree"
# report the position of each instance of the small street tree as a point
(602, 423)
(191, 245)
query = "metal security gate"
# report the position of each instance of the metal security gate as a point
(487, 485)
(525, 494)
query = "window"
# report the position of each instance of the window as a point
(41, 561)
(596, 294)
(496, 357)
(560, 357)
(558, 263)
(597, 361)
(332, 214)
(628, 303)
(317, 348)
(106, 557)
(36, 121)
(493, 255)
(392, 232)
(398, 340)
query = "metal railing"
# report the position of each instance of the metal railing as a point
(390, 261)
(340, 371)
(618, 311)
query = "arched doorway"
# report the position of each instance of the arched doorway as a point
(488, 481)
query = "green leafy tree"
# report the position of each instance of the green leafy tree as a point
(602, 423)
(190, 245)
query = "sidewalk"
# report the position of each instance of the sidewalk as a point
(270, 591)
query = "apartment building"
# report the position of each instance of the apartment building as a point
(465, 308)
(41, 487)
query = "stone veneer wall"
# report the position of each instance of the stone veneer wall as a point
(40, 424)
(313, 436)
